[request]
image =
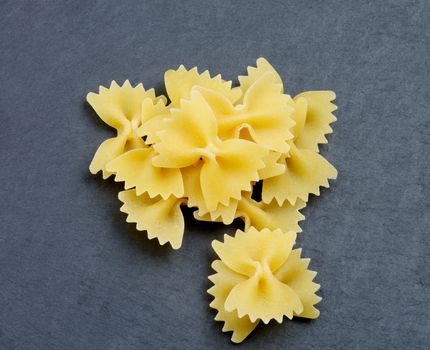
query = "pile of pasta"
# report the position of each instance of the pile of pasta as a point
(206, 146)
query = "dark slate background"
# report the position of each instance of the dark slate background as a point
(74, 275)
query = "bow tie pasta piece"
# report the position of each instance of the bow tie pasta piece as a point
(265, 114)
(254, 255)
(136, 170)
(315, 118)
(162, 219)
(255, 73)
(260, 277)
(180, 82)
(120, 108)
(190, 136)
(306, 171)
(316, 104)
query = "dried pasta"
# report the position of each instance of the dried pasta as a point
(211, 131)
(305, 170)
(194, 127)
(208, 145)
(120, 108)
(265, 114)
(260, 277)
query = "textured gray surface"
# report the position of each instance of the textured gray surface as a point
(74, 275)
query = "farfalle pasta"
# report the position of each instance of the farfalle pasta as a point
(305, 169)
(194, 127)
(120, 108)
(216, 148)
(265, 114)
(259, 277)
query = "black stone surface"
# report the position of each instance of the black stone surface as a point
(74, 275)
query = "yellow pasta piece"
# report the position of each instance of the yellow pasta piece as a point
(180, 82)
(260, 277)
(136, 170)
(265, 113)
(120, 108)
(162, 219)
(306, 171)
(316, 105)
(189, 135)
(194, 128)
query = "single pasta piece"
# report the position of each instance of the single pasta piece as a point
(260, 277)
(120, 108)
(305, 170)
(264, 114)
(190, 137)
(315, 107)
